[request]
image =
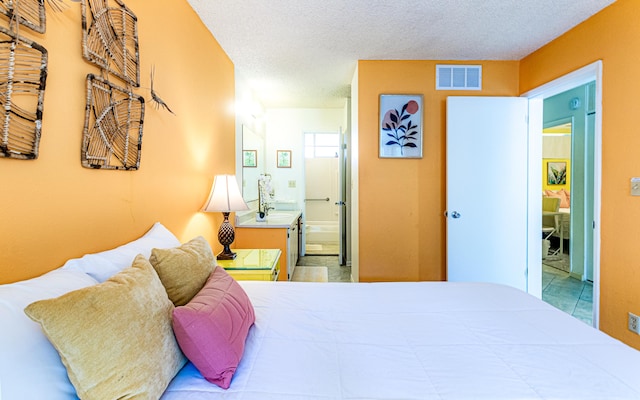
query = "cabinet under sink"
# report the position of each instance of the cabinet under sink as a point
(280, 230)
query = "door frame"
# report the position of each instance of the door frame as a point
(586, 74)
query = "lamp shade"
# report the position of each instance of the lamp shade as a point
(225, 195)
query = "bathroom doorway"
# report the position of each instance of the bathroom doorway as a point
(322, 193)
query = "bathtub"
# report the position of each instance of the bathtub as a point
(321, 231)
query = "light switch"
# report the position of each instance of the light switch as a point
(292, 184)
(635, 186)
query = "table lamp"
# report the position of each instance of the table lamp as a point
(225, 197)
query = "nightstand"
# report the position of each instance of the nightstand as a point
(253, 264)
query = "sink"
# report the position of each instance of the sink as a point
(280, 214)
(280, 217)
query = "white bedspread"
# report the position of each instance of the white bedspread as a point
(427, 340)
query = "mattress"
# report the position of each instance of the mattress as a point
(422, 340)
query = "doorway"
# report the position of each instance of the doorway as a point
(583, 224)
(322, 192)
(567, 162)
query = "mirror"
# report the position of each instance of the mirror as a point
(253, 163)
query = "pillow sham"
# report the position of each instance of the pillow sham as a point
(101, 266)
(184, 270)
(25, 352)
(565, 199)
(114, 338)
(212, 328)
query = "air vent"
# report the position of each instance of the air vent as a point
(458, 77)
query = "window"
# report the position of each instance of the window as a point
(321, 145)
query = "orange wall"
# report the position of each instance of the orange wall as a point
(53, 209)
(613, 36)
(402, 201)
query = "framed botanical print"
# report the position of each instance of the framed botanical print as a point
(250, 158)
(556, 173)
(400, 127)
(283, 158)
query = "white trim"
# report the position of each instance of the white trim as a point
(576, 78)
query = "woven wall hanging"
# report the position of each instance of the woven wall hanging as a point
(110, 39)
(29, 13)
(113, 126)
(23, 74)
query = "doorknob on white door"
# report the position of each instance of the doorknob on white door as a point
(455, 215)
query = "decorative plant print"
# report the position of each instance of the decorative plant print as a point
(400, 129)
(557, 173)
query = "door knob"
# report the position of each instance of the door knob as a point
(455, 215)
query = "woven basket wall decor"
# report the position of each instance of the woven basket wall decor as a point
(114, 119)
(110, 38)
(23, 75)
(29, 13)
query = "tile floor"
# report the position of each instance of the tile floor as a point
(323, 249)
(567, 294)
(337, 273)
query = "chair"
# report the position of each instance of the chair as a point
(550, 223)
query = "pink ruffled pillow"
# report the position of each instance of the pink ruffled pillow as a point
(563, 195)
(212, 328)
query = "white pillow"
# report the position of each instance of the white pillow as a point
(102, 266)
(30, 366)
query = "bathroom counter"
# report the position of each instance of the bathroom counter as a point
(275, 219)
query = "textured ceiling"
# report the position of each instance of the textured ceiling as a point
(303, 53)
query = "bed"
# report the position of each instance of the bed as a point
(403, 340)
(426, 340)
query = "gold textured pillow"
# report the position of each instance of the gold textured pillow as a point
(115, 338)
(184, 270)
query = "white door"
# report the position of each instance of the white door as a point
(488, 189)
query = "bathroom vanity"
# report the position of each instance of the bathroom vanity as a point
(279, 230)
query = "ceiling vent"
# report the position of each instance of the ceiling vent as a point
(458, 77)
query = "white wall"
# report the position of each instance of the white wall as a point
(285, 129)
(322, 180)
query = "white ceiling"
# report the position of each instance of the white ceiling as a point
(303, 53)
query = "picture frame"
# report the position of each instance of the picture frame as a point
(556, 173)
(250, 158)
(400, 126)
(283, 158)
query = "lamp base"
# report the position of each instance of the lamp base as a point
(226, 256)
(226, 235)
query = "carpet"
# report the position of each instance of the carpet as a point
(310, 274)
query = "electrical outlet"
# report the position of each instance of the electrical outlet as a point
(634, 323)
